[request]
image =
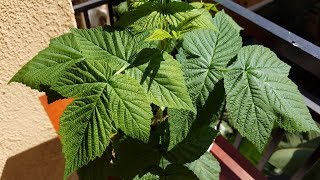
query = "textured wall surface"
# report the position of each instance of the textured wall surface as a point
(26, 26)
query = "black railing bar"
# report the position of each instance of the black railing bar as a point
(315, 107)
(273, 28)
(111, 14)
(259, 5)
(311, 101)
(87, 19)
(88, 5)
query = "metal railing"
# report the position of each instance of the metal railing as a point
(86, 6)
(296, 51)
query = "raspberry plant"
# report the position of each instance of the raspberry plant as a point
(148, 91)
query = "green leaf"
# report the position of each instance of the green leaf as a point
(193, 146)
(186, 24)
(286, 159)
(102, 102)
(287, 101)
(258, 93)
(162, 79)
(206, 54)
(118, 48)
(122, 49)
(158, 35)
(175, 171)
(147, 176)
(123, 7)
(49, 64)
(292, 149)
(134, 157)
(181, 122)
(206, 167)
(156, 15)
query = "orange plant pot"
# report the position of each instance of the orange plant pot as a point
(55, 109)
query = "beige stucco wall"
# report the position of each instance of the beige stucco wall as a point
(26, 27)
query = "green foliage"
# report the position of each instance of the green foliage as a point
(163, 16)
(147, 176)
(205, 56)
(260, 93)
(139, 113)
(162, 78)
(292, 149)
(159, 35)
(206, 167)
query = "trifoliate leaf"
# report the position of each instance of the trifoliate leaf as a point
(158, 35)
(259, 92)
(122, 49)
(206, 54)
(49, 64)
(162, 78)
(157, 15)
(102, 103)
(206, 167)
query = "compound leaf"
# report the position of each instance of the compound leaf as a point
(205, 54)
(259, 92)
(122, 49)
(102, 103)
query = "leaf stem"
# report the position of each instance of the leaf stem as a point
(121, 69)
(223, 69)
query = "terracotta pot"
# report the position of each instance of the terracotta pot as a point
(55, 109)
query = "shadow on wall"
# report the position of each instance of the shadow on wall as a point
(44, 161)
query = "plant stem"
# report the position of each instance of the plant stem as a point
(221, 116)
(120, 70)
(276, 138)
